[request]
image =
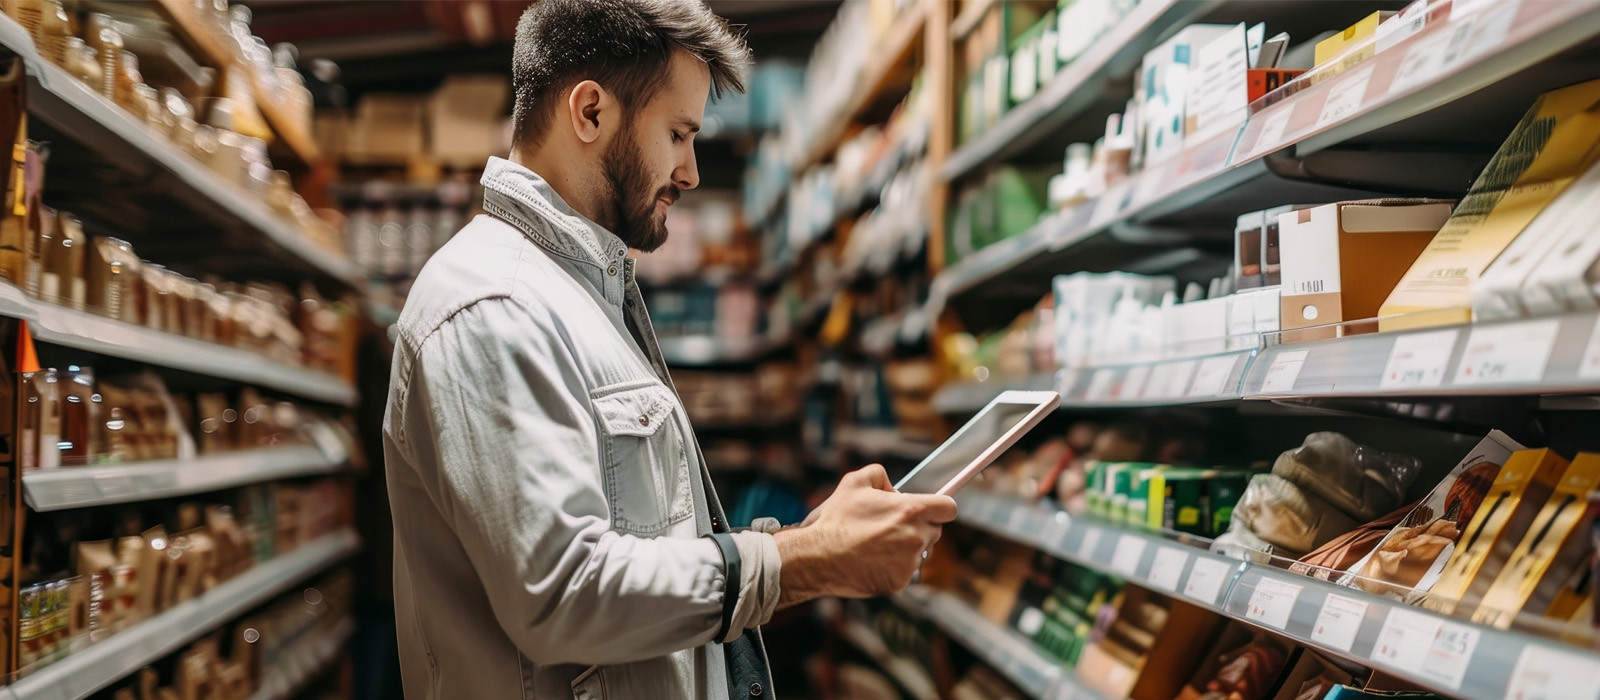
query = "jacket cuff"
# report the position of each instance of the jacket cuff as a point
(760, 572)
(733, 581)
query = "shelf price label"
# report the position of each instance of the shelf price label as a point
(1418, 360)
(1450, 654)
(1283, 372)
(1345, 97)
(1101, 384)
(1509, 353)
(1406, 639)
(1206, 579)
(1338, 622)
(1125, 560)
(1589, 366)
(1167, 568)
(1108, 206)
(1089, 543)
(1178, 378)
(1272, 601)
(1272, 131)
(1422, 61)
(1212, 378)
(1546, 673)
(1133, 386)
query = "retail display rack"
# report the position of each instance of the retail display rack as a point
(310, 658)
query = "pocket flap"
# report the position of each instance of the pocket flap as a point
(639, 412)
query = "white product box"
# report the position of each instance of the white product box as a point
(1163, 87)
(1542, 258)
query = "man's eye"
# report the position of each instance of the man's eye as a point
(677, 137)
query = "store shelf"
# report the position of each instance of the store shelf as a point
(312, 657)
(1004, 649)
(885, 62)
(971, 396)
(82, 487)
(296, 140)
(882, 442)
(1209, 379)
(58, 325)
(1075, 87)
(129, 182)
(911, 677)
(125, 652)
(1445, 654)
(1467, 79)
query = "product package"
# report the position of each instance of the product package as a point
(1525, 482)
(1163, 89)
(1340, 260)
(1545, 153)
(1545, 268)
(1556, 546)
(1135, 659)
(1408, 562)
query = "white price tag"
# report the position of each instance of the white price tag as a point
(1272, 131)
(1405, 640)
(1285, 368)
(1338, 622)
(1066, 381)
(1418, 360)
(1168, 568)
(1179, 377)
(1060, 532)
(1422, 61)
(1507, 353)
(1133, 385)
(1152, 183)
(1345, 97)
(1485, 33)
(1101, 384)
(1546, 673)
(1160, 380)
(1461, 9)
(1589, 366)
(1450, 654)
(1125, 560)
(1212, 379)
(1109, 205)
(1272, 602)
(1017, 520)
(1089, 543)
(1206, 579)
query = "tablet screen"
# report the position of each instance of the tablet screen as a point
(993, 422)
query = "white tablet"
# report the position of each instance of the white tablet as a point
(978, 443)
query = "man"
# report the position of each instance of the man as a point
(556, 533)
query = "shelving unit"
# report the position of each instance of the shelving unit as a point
(906, 672)
(59, 325)
(1443, 653)
(83, 487)
(103, 663)
(1004, 649)
(131, 183)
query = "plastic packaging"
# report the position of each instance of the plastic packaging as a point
(1362, 482)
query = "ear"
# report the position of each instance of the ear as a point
(586, 104)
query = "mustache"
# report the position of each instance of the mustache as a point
(671, 193)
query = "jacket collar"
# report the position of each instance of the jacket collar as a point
(523, 198)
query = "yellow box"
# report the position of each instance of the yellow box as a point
(1556, 543)
(1487, 543)
(1330, 48)
(1548, 150)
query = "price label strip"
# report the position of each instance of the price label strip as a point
(1133, 386)
(1109, 206)
(1089, 544)
(1345, 97)
(1283, 372)
(1510, 353)
(1272, 131)
(1212, 378)
(1167, 568)
(1450, 654)
(1272, 601)
(1100, 385)
(1418, 360)
(1546, 673)
(1179, 378)
(1125, 560)
(1206, 579)
(1338, 622)
(1406, 639)
(1589, 366)
(1422, 62)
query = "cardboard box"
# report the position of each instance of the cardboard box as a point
(1380, 239)
(1115, 669)
(1555, 545)
(1518, 494)
(387, 128)
(1164, 86)
(1196, 501)
(1352, 37)
(1408, 561)
(1546, 152)
(466, 118)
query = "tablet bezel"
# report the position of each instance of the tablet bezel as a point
(1043, 402)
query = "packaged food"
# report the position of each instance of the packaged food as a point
(47, 23)
(63, 282)
(80, 411)
(101, 34)
(1360, 481)
(41, 420)
(114, 273)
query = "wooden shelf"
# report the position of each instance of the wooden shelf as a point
(901, 41)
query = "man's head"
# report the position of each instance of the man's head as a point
(609, 95)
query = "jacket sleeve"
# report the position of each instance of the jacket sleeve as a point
(495, 418)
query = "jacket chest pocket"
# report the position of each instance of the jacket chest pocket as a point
(645, 458)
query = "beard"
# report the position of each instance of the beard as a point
(632, 197)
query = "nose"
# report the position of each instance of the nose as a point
(687, 176)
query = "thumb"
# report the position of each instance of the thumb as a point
(874, 476)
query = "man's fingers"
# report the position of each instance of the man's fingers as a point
(933, 508)
(872, 475)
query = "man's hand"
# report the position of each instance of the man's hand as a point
(866, 540)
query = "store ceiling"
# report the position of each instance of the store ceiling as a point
(410, 45)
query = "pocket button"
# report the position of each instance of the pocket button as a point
(755, 690)
(644, 420)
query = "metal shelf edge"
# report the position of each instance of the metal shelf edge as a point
(83, 487)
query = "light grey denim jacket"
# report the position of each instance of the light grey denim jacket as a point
(548, 494)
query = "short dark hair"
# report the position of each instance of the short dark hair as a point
(625, 45)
